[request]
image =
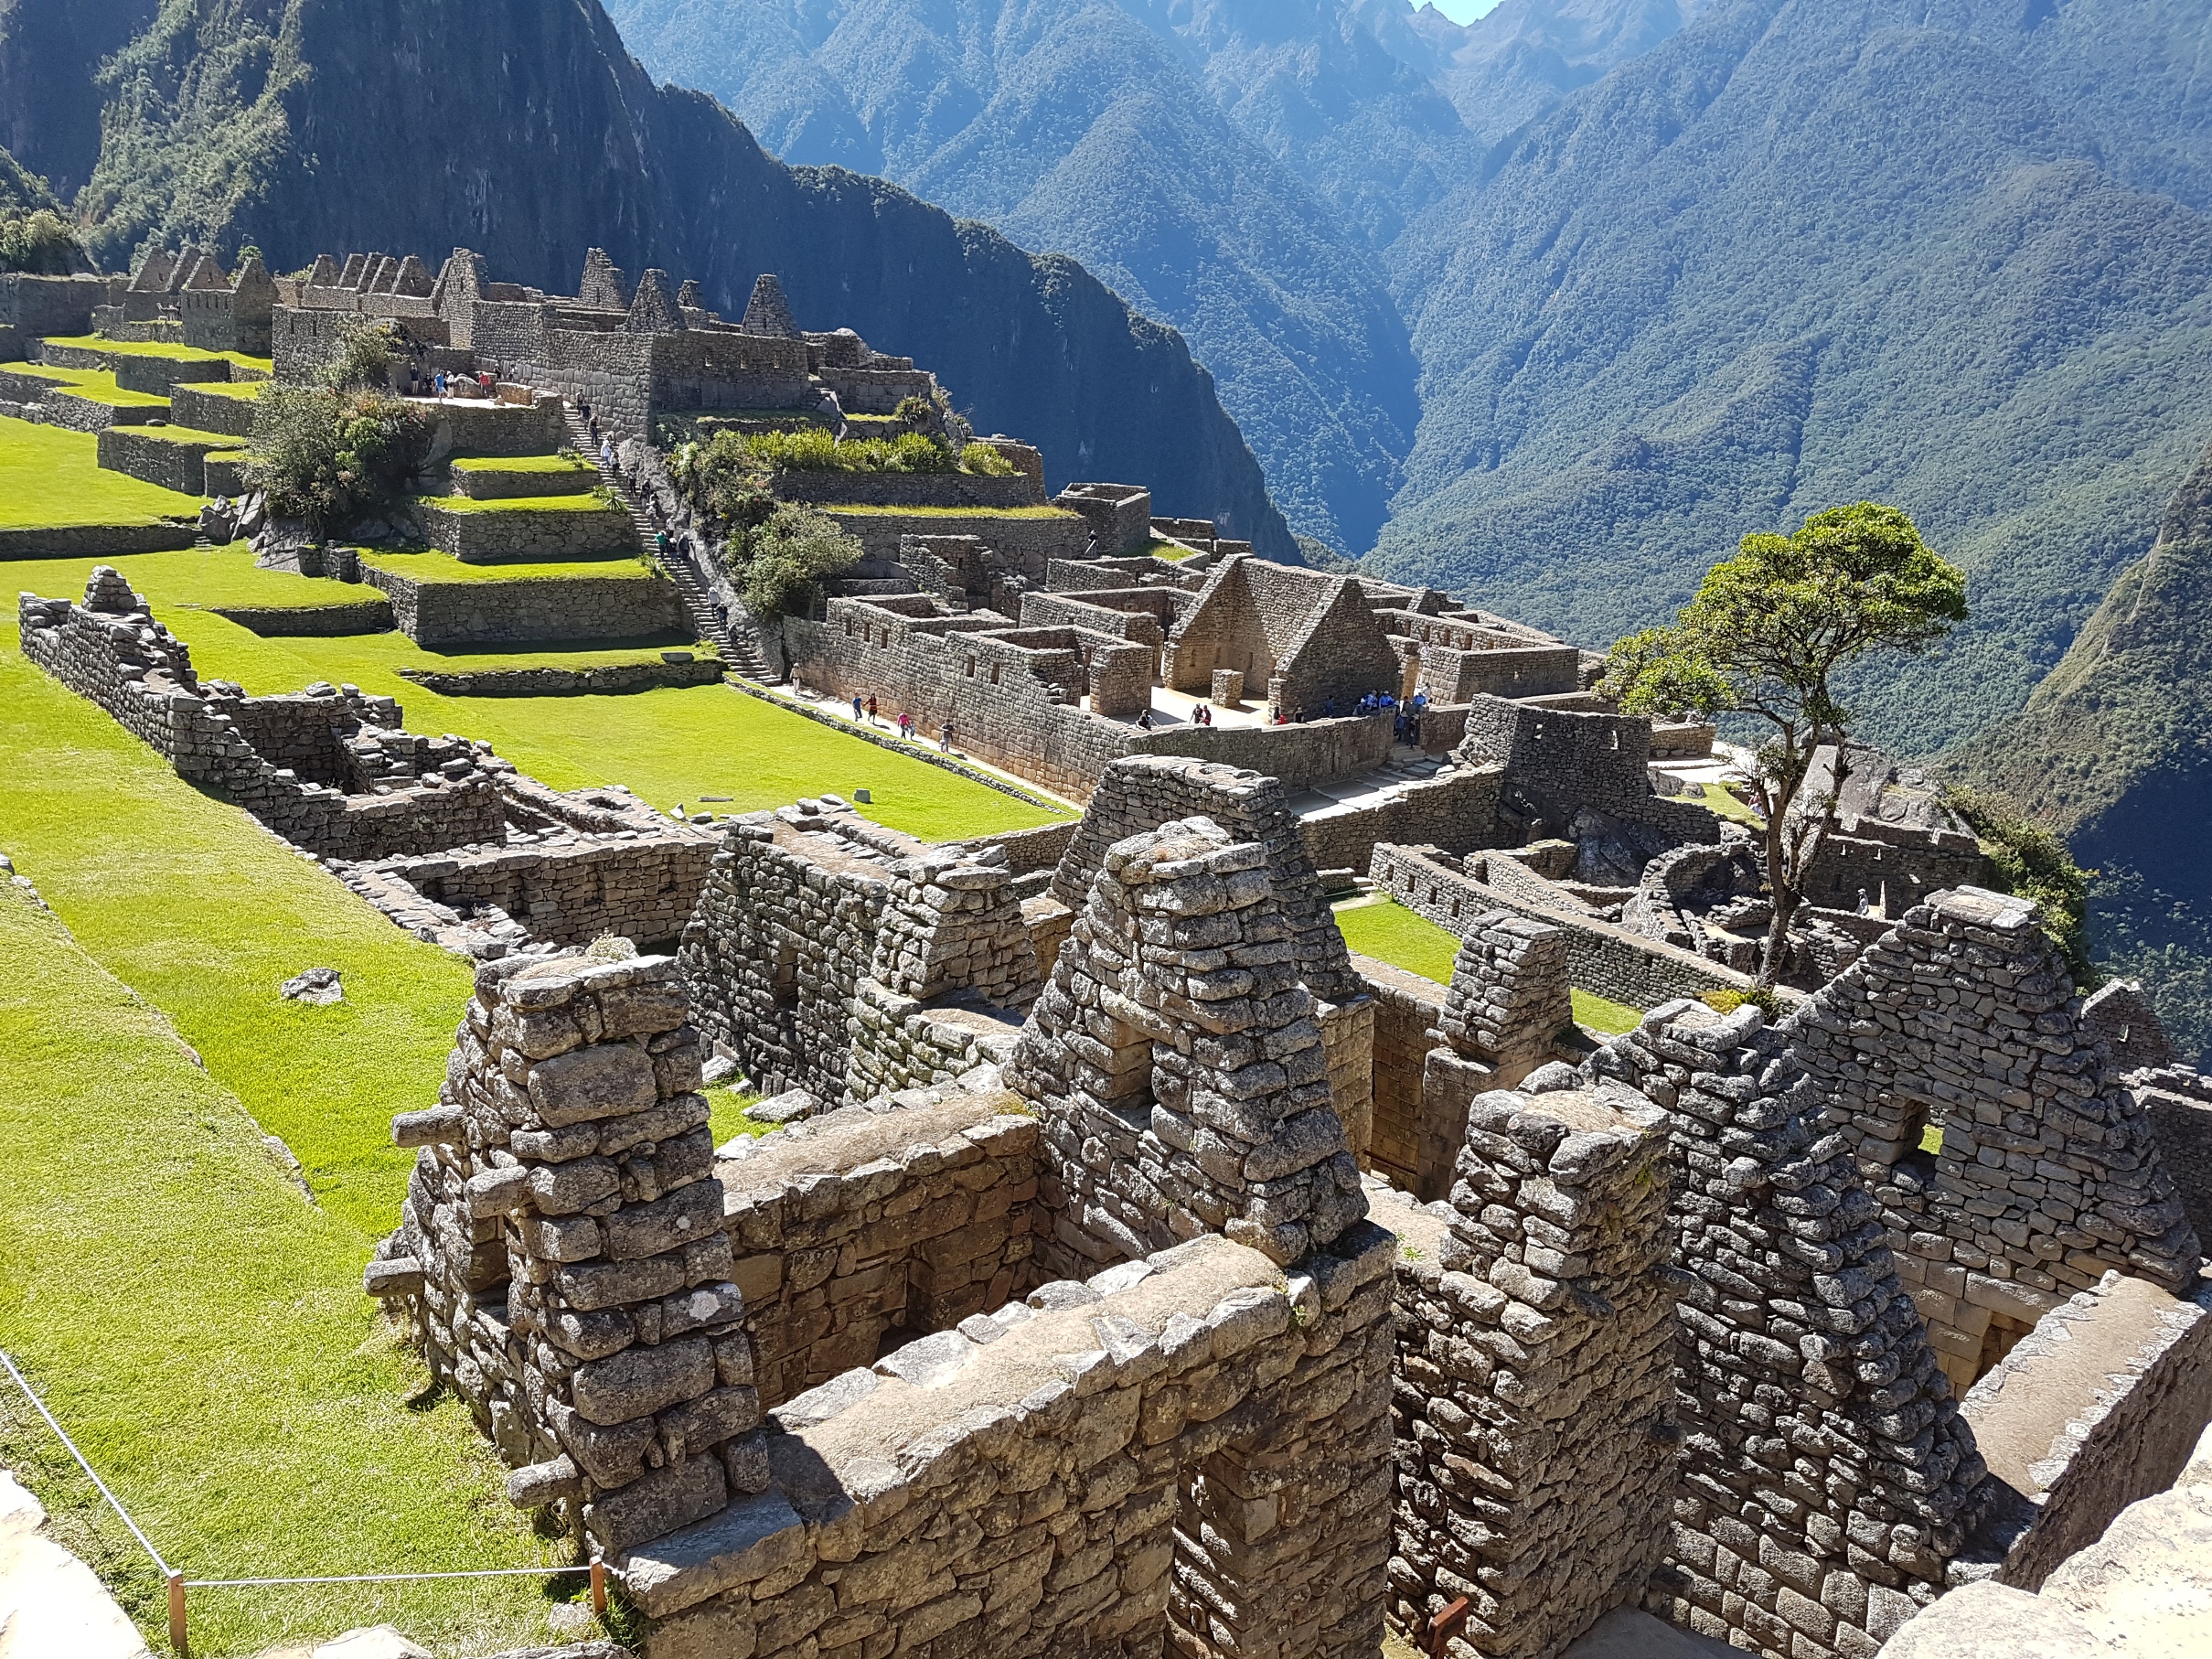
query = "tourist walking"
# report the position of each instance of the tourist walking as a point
(946, 742)
(856, 708)
(872, 711)
(906, 726)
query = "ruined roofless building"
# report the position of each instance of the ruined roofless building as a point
(634, 348)
(1099, 1347)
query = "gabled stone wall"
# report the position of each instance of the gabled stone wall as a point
(1176, 1060)
(1826, 1476)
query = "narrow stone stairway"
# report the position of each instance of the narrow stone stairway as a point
(734, 646)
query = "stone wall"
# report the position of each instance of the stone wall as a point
(1179, 1448)
(2178, 1103)
(1560, 765)
(1795, 1336)
(1299, 637)
(37, 305)
(870, 1229)
(562, 1259)
(1607, 959)
(1897, 866)
(994, 693)
(907, 489)
(1535, 1396)
(401, 793)
(568, 607)
(200, 410)
(96, 541)
(1314, 752)
(2047, 1177)
(153, 455)
(608, 681)
(2099, 1407)
(1176, 1058)
(1407, 1009)
(1457, 811)
(528, 536)
(573, 891)
(829, 955)
(1031, 541)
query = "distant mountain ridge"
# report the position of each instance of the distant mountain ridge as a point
(523, 129)
(1237, 168)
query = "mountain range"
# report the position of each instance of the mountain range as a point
(522, 129)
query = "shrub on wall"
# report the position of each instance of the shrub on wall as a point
(780, 566)
(334, 458)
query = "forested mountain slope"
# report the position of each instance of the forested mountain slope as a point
(1950, 253)
(1072, 126)
(523, 129)
(2114, 749)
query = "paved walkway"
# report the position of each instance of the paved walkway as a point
(52, 1607)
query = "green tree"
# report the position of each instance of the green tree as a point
(1765, 635)
(335, 458)
(40, 243)
(364, 357)
(784, 562)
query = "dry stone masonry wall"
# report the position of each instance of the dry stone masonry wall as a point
(1177, 1063)
(564, 1253)
(1535, 1393)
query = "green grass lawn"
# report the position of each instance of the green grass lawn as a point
(521, 504)
(671, 744)
(428, 564)
(165, 349)
(93, 385)
(520, 464)
(1173, 552)
(186, 435)
(1389, 932)
(244, 391)
(51, 478)
(1722, 801)
(951, 512)
(192, 1319)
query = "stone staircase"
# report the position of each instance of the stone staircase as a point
(735, 648)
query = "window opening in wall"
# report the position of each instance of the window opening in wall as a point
(971, 668)
(1920, 1142)
(2002, 1335)
(784, 982)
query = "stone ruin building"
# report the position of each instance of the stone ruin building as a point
(441, 834)
(1135, 1265)
(1081, 1315)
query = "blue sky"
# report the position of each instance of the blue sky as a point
(1463, 11)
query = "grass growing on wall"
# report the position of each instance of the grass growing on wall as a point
(197, 1325)
(175, 352)
(1389, 932)
(93, 385)
(51, 478)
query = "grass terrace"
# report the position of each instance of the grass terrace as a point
(163, 349)
(1174, 553)
(518, 464)
(430, 565)
(521, 504)
(186, 435)
(1386, 930)
(949, 512)
(672, 745)
(93, 385)
(246, 391)
(186, 1312)
(53, 479)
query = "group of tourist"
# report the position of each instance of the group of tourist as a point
(1405, 715)
(867, 711)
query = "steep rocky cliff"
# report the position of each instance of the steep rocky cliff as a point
(522, 129)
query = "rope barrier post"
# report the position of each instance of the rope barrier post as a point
(599, 1586)
(177, 1637)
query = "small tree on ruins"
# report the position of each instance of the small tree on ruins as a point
(343, 450)
(1765, 635)
(786, 560)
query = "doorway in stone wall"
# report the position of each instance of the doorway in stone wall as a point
(1999, 1340)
